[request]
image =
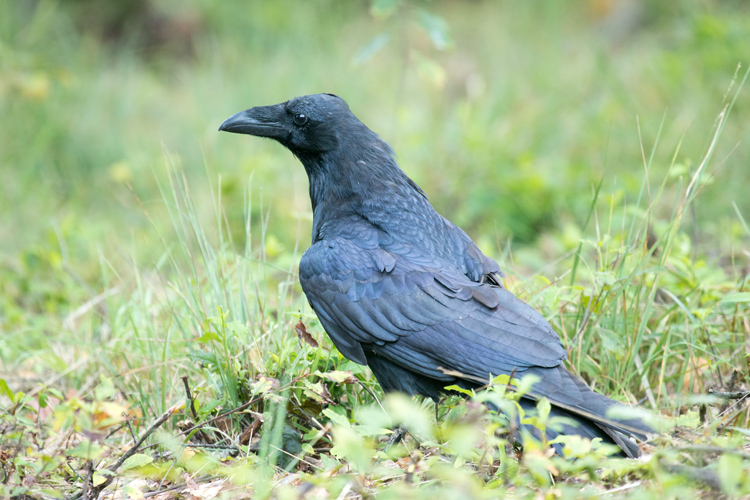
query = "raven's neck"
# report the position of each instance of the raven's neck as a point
(365, 182)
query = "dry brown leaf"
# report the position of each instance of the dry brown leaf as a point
(304, 336)
(251, 430)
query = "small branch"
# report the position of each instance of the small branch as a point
(76, 473)
(369, 391)
(88, 481)
(132, 433)
(93, 493)
(714, 449)
(220, 416)
(178, 486)
(239, 408)
(189, 396)
(729, 395)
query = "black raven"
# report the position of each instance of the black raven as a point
(400, 288)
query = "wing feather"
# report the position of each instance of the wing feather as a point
(422, 317)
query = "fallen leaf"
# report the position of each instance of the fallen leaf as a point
(317, 391)
(304, 336)
(251, 430)
(340, 377)
(206, 491)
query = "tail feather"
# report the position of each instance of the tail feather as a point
(583, 427)
(569, 395)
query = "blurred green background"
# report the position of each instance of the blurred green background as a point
(118, 194)
(506, 113)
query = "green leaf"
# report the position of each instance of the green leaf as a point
(87, 450)
(526, 384)
(730, 473)
(208, 337)
(137, 460)
(105, 389)
(51, 493)
(543, 407)
(404, 411)
(41, 399)
(735, 298)
(459, 389)
(437, 29)
(350, 445)
(337, 419)
(101, 475)
(5, 390)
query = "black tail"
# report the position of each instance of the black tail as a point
(572, 398)
(569, 395)
(584, 428)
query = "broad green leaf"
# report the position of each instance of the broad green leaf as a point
(543, 407)
(736, 298)
(208, 336)
(337, 419)
(730, 473)
(137, 460)
(350, 445)
(87, 450)
(100, 476)
(5, 390)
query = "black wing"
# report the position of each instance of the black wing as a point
(420, 315)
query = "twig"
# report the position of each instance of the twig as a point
(189, 396)
(220, 416)
(369, 391)
(114, 431)
(619, 489)
(132, 433)
(212, 446)
(93, 493)
(713, 449)
(88, 482)
(75, 472)
(239, 408)
(178, 486)
(729, 395)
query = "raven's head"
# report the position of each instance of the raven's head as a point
(307, 125)
(345, 161)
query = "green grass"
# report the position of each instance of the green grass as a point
(144, 253)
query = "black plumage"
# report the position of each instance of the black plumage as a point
(405, 291)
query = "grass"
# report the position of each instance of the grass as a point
(146, 259)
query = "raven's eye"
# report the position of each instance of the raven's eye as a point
(300, 119)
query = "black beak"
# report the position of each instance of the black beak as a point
(261, 121)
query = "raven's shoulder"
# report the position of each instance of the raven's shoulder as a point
(420, 312)
(473, 262)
